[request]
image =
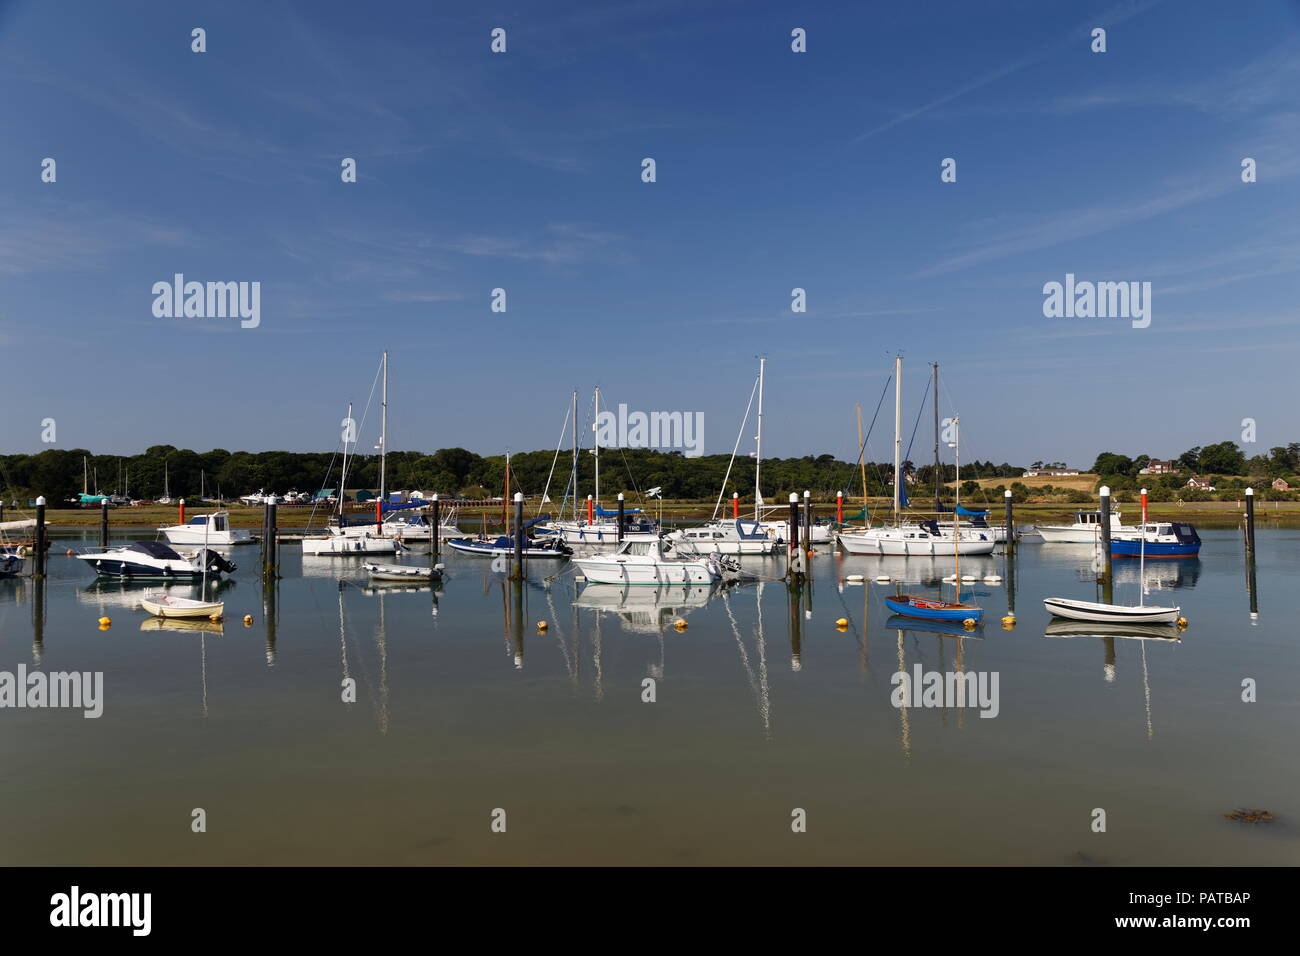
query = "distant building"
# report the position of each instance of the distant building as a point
(1157, 467)
(1201, 483)
(1062, 472)
(1279, 484)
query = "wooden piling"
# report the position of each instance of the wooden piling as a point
(807, 527)
(434, 521)
(39, 564)
(1250, 522)
(1106, 579)
(103, 524)
(518, 573)
(1010, 522)
(619, 534)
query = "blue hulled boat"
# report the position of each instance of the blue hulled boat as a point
(1162, 539)
(910, 606)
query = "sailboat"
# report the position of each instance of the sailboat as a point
(737, 535)
(911, 606)
(923, 539)
(166, 498)
(339, 539)
(1118, 613)
(600, 526)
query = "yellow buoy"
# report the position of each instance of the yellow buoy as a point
(842, 622)
(969, 623)
(1181, 623)
(679, 624)
(542, 625)
(105, 622)
(248, 620)
(69, 552)
(214, 618)
(1008, 622)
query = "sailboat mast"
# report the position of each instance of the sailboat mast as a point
(758, 448)
(595, 427)
(383, 438)
(343, 477)
(956, 536)
(575, 453)
(938, 505)
(898, 434)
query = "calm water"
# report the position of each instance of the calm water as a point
(463, 707)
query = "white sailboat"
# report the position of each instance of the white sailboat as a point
(1117, 613)
(926, 539)
(339, 539)
(737, 535)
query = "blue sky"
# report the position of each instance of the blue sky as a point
(775, 170)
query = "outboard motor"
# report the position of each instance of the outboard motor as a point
(212, 561)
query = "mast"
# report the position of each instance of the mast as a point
(862, 462)
(596, 439)
(956, 536)
(898, 433)
(343, 476)
(575, 453)
(758, 452)
(166, 492)
(938, 505)
(383, 439)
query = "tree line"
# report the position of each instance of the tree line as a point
(58, 474)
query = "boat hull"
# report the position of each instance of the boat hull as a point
(183, 608)
(1109, 613)
(868, 543)
(1154, 549)
(349, 544)
(928, 610)
(487, 550)
(213, 539)
(398, 572)
(611, 570)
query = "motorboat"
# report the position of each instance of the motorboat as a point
(1159, 539)
(153, 559)
(648, 610)
(504, 546)
(337, 541)
(261, 498)
(169, 605)
(407, 573)
(1085, 530)
(728, 536)
(1114, 613)
(649, 563)
(11, 565)
(209, 529)
(779, 531)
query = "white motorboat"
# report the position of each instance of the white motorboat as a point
(1085, 530)
(337, 541)
(729, 536)
(261, 498)
(1113, 613)
(170, 606)
(648, 563)
(210, 529)
(153, 559)
(408, 573)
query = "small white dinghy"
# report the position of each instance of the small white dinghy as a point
(403, 572)
(170, 606)
(1111, 613)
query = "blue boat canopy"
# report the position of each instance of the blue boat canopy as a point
(614, 514)
(963, 510)
(386, 506)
